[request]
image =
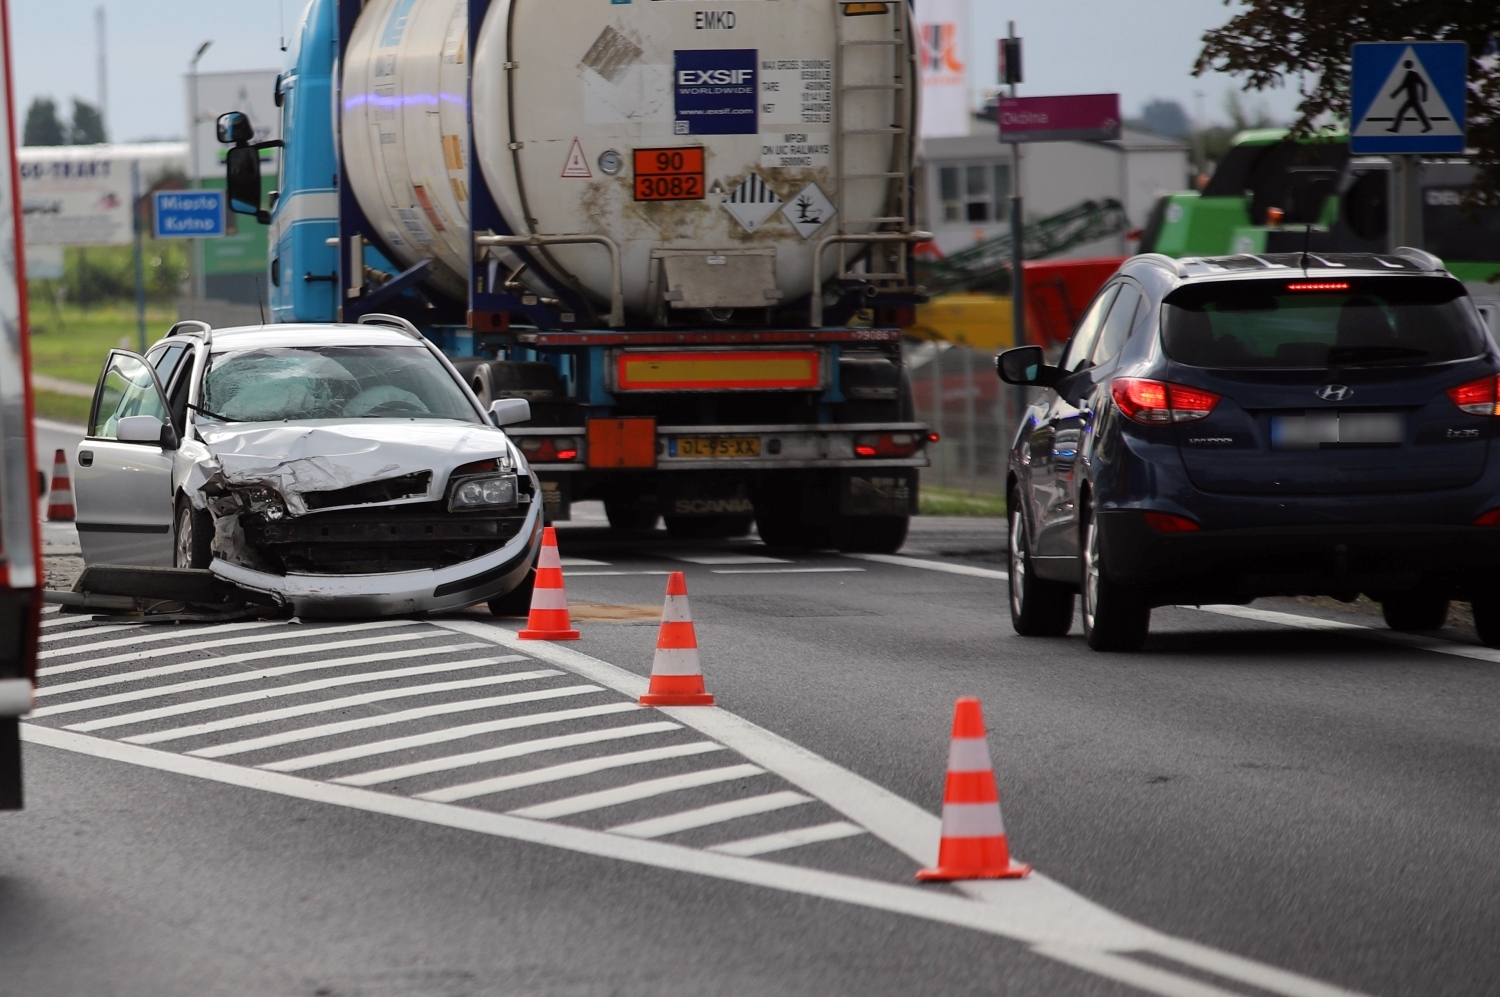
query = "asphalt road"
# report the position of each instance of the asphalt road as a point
(1293, 785)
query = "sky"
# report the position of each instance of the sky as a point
(1144, 49)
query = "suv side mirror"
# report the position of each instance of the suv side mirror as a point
(1025, 365)
(510, 411)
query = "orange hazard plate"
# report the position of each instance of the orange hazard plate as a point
(734, 370)
(669, 174)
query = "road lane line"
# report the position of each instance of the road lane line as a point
(470, 758)
(164, 634)
(345, 702)
(565, 770)
(610, 574)
(724, 558)
(779, 571)
(1137, 974)
(715, 813)
(89, 631)
(150, 634)
(56, 619)
(138, 675)
(585, 802)
(1355, 629)
(203, 705)
(915, 562)
(422, 713)
(582, 562)
(1069, 934)
(162, 652)
(446, 734)
(782, 840)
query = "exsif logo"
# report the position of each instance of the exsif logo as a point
(715, 91)
(715, 77)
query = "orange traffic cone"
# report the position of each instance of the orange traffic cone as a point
(676, 675)
(973, 845)
(549, 601)
(60, 498)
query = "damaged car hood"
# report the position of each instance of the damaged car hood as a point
(326, 456)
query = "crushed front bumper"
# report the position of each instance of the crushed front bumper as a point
(396, 593)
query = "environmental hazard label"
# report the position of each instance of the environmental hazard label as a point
(714, 92)
(809, 211)
(795, 149)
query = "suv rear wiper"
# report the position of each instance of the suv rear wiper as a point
(1343, 356)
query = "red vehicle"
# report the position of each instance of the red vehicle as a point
(20, 543)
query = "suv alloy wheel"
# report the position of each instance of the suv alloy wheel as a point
(1038, 608)
(1115, 618)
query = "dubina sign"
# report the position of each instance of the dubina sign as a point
(1093, 117)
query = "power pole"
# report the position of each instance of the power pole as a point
(103, 71)
(1012, 76)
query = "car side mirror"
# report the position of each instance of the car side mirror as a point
(1026, 365)
(510, 411)
(146, 429)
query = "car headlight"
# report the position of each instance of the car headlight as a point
(261, 499)
(490, 492)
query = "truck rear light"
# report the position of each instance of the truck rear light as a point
(544, 449)
(1477, 397)
(887, 444)
(1165, 522)
(1154, 403)
(1490, 518)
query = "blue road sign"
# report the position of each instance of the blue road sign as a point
(1408, 97)
(189, 214)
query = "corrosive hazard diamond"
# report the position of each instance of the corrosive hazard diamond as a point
(809, 210)
(752, 202)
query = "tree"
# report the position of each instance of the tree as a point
(42, 125)
(1274, 40)
(88, 124)
(1165, 117)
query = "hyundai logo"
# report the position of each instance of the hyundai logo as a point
(1335, 392)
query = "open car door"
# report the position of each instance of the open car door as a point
(123, 486)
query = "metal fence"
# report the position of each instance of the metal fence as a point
(975, 414)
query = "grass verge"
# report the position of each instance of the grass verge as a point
(72, 344)
(62, 408)
(949, 502)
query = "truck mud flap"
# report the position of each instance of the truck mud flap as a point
(878, 492)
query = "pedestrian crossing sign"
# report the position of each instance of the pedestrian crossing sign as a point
(1408, 97)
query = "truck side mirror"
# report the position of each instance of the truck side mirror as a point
(242, 181)
(235, 128)
(509, 411)
(1025, 365)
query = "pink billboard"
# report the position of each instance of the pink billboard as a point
(1090, 117)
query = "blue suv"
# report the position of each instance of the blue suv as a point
(1224, 428)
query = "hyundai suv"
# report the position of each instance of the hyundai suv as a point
(1224, 428)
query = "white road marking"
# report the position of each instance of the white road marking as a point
(53, 618)
(470, 758)
(779, 571)
(915, 562)
(422, 713)
(716, 813)
(162, 652)
(204, 664)
(1355, 629)
(585, 802)
(723, 558)
(89, 631)
(332, 705)
(203, 705)
(583, 562)
(566, 770)
(446, 734)
(782, 840)
(150, 634)
(236, 678)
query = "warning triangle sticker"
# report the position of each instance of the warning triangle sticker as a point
(752, 202)
(577, 166)
(1408, 104)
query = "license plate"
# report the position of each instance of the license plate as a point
(716, 446)
(1320, 430)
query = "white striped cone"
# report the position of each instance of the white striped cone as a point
(974, 844)
(549, 600)
(676, 673)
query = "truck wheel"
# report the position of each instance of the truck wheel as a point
(1038, 607)
(630, 511)
(1486, 606)
(194, 535)
(708, 526)
(516, 602)
(778, 519)
(1115, 617)
(1415, 611)
(870, 534)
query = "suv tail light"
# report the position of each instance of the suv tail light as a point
(1491, 518)
(546, 449)
(1477, 397)
(1154, 403)
(887, 444)
(1165, 522)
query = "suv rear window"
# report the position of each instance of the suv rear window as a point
(1321, 322)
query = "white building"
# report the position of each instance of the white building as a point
(965, 182)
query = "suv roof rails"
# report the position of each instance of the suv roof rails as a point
(1420, 257)
(1161, 260)
(393, 321)
(190, 325)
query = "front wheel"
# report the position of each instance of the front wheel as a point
(1038, 607)
(1115, 618)
(193, 543)
(1486, 606)
(1415, 611)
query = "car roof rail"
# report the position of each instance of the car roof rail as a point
(192, 325)
(1420, 257)
(393, 321)
(1161, 260)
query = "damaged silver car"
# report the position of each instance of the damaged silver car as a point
(342, 469)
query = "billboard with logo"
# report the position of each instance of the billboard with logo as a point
(943, 28)
(79, 195)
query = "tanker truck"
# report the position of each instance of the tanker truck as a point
(680, 229)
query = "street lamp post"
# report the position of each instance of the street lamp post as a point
(195, 249)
